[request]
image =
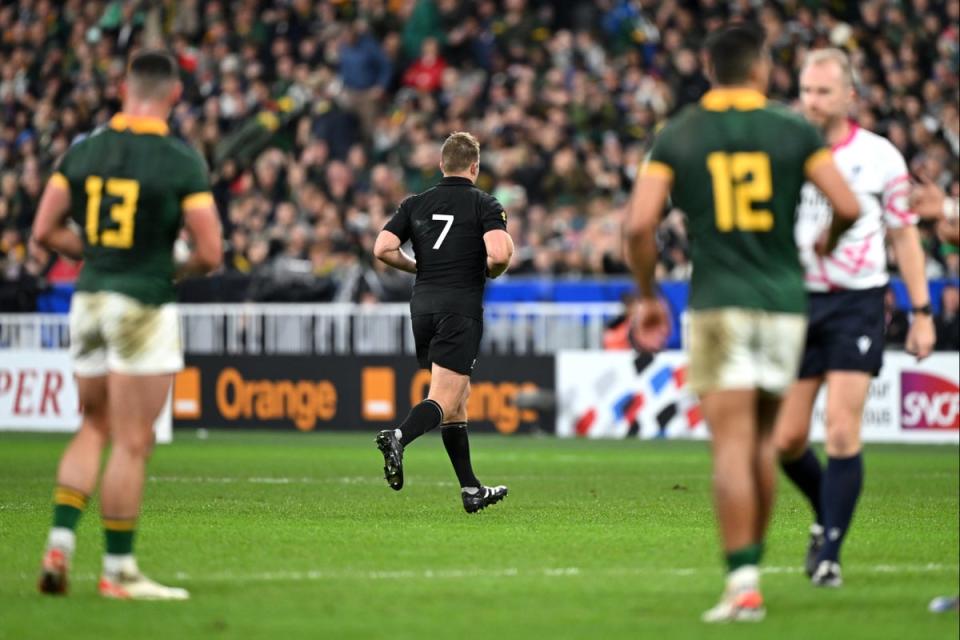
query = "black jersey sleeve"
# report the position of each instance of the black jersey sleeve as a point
(492, 214)
(399, 224)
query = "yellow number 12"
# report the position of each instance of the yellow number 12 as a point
(123, 212)
(740, 180)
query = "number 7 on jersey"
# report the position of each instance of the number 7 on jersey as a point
(448, 222)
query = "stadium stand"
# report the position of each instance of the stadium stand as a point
(318, 117)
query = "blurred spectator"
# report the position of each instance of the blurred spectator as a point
(948, 322)
(426, 72)
(365, 72)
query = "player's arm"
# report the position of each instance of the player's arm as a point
(387, 249)
(650, 193)
(643, 216)
(50, 228)
(499, 251)
(202, 222)
(905, 242)
(822, 171)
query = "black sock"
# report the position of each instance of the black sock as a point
(422, 418)
(458, 448)
(807, 474)
(842, 482)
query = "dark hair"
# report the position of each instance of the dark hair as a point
(733, 51)
(153, 65)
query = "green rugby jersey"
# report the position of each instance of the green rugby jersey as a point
(737, 165)
(129, 184)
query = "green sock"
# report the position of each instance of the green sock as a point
(119, 536)
(68, 506)
(748, 555)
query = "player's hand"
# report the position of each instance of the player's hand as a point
(921, 337)
(926, 200)
(651, 326)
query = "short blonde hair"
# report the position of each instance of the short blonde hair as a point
(459, 151)
(837, 56)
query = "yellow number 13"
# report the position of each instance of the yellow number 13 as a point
(740, 180)
(128, 191)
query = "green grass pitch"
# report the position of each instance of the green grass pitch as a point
(297, 536)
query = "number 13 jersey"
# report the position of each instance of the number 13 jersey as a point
(445, 225)
(129, 183)
(736, 166)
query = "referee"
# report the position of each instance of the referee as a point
(459, 239)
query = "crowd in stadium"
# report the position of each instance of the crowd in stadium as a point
(564, 96)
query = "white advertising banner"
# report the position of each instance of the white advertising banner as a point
(38, 393)
(618, 394)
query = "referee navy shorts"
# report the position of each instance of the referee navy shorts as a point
(845, 333)
(447, 339)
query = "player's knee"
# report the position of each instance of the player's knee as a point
(843, 429)
(97, 424)
(136, 444)
(93, 403)
(843, 441)
(790, 442)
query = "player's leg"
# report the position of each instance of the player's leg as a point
(778, 354)
(80, 463)
(423, 417)
(733, 425)
(455, 441)
(76, 481)
(797, 458)
(143, 351)
(723, 372)
(731, 415)
(843, 478)
(444, 399)
(135, 402)
(856, 355)
(454, 351)
(475, 495)
(792, 438)
(765, 462)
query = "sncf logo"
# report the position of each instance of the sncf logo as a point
(928, 402)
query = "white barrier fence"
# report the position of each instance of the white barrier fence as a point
(340, 329)
(599, 394)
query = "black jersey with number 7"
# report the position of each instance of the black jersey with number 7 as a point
(445, 225)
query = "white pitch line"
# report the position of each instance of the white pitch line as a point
(346, 480)
(316, 575)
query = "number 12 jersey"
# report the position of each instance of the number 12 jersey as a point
(737, 166)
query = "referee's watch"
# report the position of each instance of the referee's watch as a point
(926, 310)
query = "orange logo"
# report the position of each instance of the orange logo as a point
(303, 402)
(379, 393)
(186, 395)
